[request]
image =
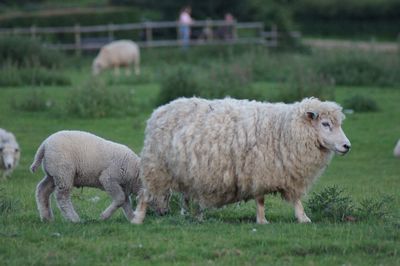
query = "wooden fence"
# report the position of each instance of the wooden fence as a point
(209, 32)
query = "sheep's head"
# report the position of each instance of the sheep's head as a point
(97, 67)
(326, 118)
(10, 154)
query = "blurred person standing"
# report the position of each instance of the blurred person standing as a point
(228, 28)
(185, 20)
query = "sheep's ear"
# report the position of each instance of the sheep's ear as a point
(312, 115)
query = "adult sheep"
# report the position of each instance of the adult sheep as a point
(76, 159)
(9, 153)
(117, 54)
(223, 151)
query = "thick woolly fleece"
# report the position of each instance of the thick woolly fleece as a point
(224, 151)
(78, 159)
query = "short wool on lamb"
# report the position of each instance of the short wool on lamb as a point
(77, 159)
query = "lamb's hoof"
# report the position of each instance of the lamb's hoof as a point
(103, 217)
(47, 220)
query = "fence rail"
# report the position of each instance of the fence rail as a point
(209, 34)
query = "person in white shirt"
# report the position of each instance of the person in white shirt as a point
(185, 20)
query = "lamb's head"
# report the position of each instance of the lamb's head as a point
(10, 154)
(326, 118)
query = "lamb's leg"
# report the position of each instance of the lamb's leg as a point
(261, 211)
(63, 197)
(43, 192)
(299, 212)
(127, 207)
(115, 191)
(185, 200)
(140, 212)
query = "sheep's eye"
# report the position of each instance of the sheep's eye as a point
(16, 150)
(326, 124)
(1, 149)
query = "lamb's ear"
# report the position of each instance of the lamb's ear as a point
(312, 115)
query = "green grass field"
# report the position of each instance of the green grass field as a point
(227, 236)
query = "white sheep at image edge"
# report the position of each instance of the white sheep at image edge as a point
(9, 153)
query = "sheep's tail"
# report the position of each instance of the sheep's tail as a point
(38, 158)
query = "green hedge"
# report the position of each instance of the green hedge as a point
(359, 19)
(129, 15)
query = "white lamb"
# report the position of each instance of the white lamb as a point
(9, 153)
(223, 151)
(117, 54)
(77, 159)
(396, 151)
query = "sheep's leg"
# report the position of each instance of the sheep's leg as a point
(127, 71)
(43, 192)
(127, 207)
(116, 71)
(63, 197)
(200, 214)
(261, 211)
(6, 173)
(116, 193)
(137, 67)
(140, 212)
(299, 212)
(184, 204)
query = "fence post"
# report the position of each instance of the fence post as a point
(274, 36)
(209, 30)
(110, 31)
(234, 30)
(77, 32)
(33, 31)
(149, 34)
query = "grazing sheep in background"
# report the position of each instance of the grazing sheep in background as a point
(9, 153)
(223, 151)
(396, 151)
(78, 159)
(117, 54)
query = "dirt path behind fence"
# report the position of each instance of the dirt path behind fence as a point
(388, 47)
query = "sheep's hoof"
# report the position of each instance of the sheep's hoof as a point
(183, 212)
(136, 220)
(262, 221)
(304, 220)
